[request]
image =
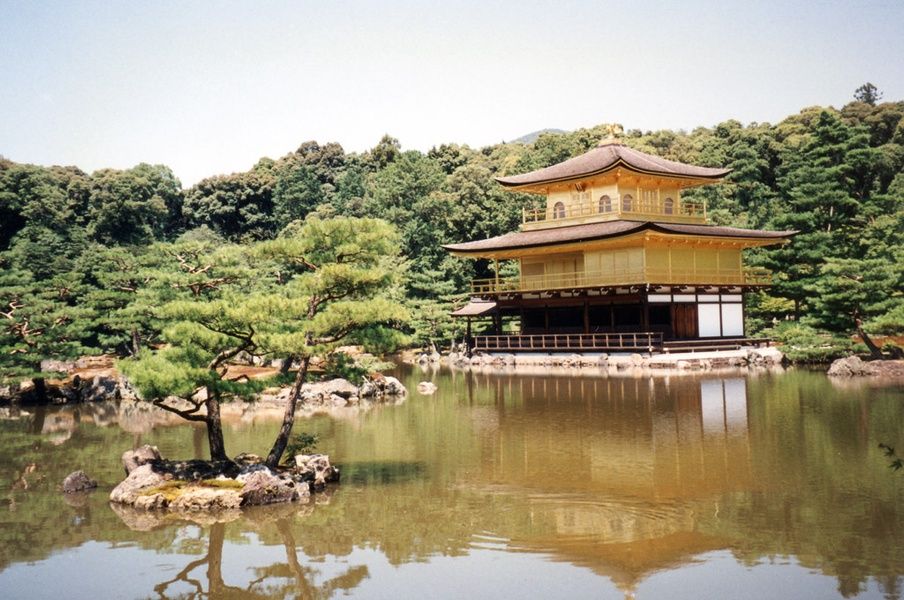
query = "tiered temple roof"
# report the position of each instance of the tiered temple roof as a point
(606, 157)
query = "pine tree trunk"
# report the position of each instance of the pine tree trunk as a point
(287, 364)
(136, 342)
(874, 350)
(282, 438)
(40, 390)
(215, 427)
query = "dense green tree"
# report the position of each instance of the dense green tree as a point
(868, 94)
(238, 206)
(386, 152)
(837, 176)
(824, 182)
(39, 320)
(298, 192)
(42, 216)
(314, 288)
(135, 206)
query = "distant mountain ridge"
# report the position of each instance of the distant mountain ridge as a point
(530, 138)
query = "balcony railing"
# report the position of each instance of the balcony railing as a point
(576, 342)
(609, 278)
(618, 207)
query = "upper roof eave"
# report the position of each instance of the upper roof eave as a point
(606, 158)
(507, 182)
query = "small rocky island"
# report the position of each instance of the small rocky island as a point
(198, 485)
(191, 486)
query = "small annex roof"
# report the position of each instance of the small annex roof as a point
(606, 229)
(607, 156)
(475, 308)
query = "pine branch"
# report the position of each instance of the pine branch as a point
(188, 415)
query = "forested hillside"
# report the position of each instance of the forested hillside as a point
(86, 258)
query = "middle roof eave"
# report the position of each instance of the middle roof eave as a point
(607, 229)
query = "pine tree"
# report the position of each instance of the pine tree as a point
(823, 192)
(316, 287)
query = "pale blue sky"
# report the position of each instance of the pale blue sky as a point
(210, 87)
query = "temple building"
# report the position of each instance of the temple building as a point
(617, 259)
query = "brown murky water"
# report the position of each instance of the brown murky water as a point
(498, 486)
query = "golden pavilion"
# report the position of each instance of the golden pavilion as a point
(617, 259)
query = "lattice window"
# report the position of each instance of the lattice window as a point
(605, 204)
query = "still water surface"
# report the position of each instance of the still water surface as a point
(498, 486)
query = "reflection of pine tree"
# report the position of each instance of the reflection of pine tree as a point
(300, 577)
(216, 586)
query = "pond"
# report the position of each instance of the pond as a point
(542, 485)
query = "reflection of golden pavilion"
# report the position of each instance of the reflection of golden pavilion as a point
(618, 257)
(621, 488)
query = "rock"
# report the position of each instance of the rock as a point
(337, 400)
(315, 468)
(434, 357)
(423, 359)
(78, 481)
(246, 459)
(57, 366)
(462, 361)
(394, 387)
(132, 459)
(126, 390)
(98, 388)
(194, 498)
(572, 360)
(683, 365)
(95, 362)
(141, 479)
(368, 389)
(426, 387)
(636, 360)
(265, 487)
(476, 360)
(243, 358)
(765, 356)
(196, 469)
(849, 366)
(321, 391)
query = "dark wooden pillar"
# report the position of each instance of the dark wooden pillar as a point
(468, 338)
(644, 312)
(743, 313)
